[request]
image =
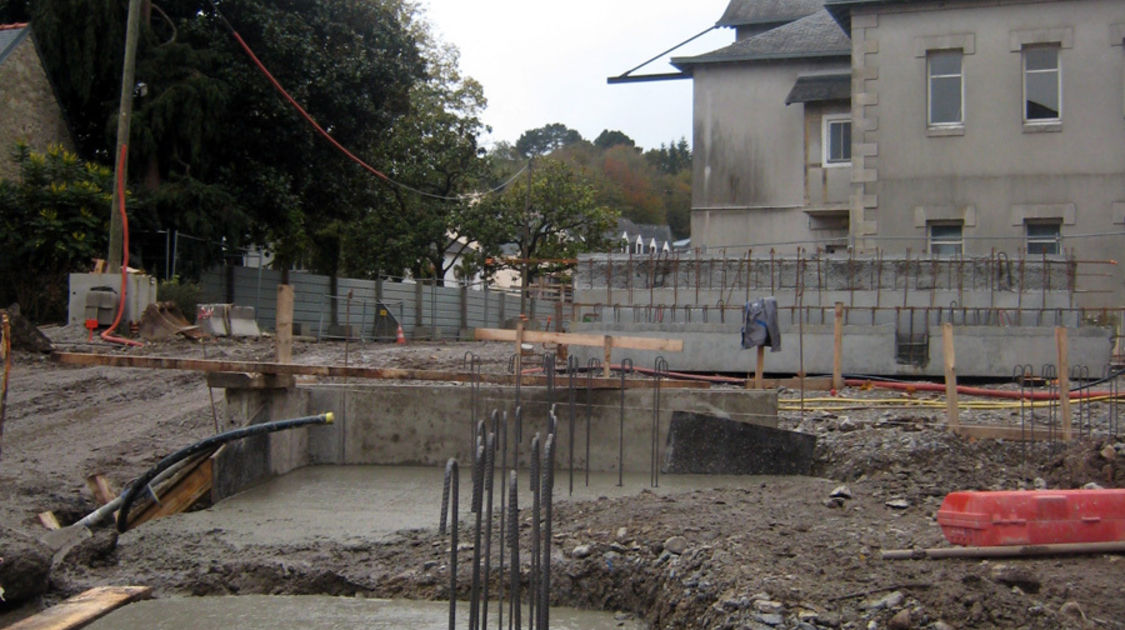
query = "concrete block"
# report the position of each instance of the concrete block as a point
(709, 445)
(241, 321)
(212, 319)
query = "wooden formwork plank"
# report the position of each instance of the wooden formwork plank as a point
(84, 608)
(581, 339)
(180, 495)
(336, 371)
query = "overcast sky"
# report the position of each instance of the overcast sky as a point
(547, 62)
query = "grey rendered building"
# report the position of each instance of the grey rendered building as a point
(946, 128)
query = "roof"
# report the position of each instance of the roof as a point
(821, 87)
(816, 35)
(662, 233)
(748, 12)
(841, 9)
(10, 36)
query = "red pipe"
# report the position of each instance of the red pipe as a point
(108, 334)
(971, 391)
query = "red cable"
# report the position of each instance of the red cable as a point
(108, 334)
(302, 111)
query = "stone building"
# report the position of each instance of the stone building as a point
(940, 128)
(29, 110)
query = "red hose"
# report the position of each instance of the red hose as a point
(108, 334)
(971, 391)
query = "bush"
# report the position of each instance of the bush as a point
(185, 295)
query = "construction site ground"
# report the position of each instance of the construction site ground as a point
(776, 552)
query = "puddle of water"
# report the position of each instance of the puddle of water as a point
(352, 504)
(316, 612)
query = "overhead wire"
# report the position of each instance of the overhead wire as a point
(335, 143)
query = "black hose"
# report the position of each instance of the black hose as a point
(142, 482)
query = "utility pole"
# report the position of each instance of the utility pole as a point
(124, 116)
(525, 254)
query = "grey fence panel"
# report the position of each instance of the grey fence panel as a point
(440, 306)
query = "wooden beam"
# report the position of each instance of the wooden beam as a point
(99, 487)
(84, 608)
(607, 350)
(49, 520)
(336, 371)
(284, 323)
(838, 347)
(760, 368)
(180, 495)
(1063, 345)
(950, 375)
(581, 339)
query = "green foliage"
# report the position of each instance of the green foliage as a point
(546, 139)
(186, 295)
(608, 139)
(560, 218)
(53, 220)
(13, 11)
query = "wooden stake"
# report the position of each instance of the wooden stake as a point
(838, 348)
(950, 376)
(284, 323)
(1063, 344)
(49, 520)
(759, 369)
(519, 351)
(608, 349)
(99, 487)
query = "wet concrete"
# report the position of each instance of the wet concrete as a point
(357, 504)
(313, 612)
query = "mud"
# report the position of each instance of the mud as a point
(771, 553)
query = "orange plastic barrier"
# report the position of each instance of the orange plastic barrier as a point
(1033, 517)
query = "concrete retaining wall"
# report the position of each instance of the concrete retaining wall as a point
(983, 351)
(406, 424)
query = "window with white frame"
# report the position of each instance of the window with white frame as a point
(1043, 237)
(945, 239)
(837, 140)
(945, 93)
(1042, 87)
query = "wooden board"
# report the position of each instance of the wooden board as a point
(83, 608)
(205, 365)
(581, 339)
(181, 495)
(100, 488)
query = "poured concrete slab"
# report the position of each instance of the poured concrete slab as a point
(314, 612)
(355, 504)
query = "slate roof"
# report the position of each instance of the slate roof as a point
(662, 233)
(821, 87)
(816, 35)
(749, 12)
(10, 37)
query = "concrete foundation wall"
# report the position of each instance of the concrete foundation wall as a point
(981, 351)
(426, 425)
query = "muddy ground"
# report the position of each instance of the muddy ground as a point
(780, 553)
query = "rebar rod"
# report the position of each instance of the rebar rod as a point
(547, 494)
(474, 591)
(489, 477)
(514, 541)
(571, 370)
(591, 368)
(626, 366)
(451, 476)
(533, 576)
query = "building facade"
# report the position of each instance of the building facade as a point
(935, 128)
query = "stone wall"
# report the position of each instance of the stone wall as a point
(29, 110)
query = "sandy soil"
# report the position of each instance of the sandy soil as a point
(779, 554)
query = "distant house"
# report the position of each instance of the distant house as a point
(641, 239)
(973, 128)
(29, 110)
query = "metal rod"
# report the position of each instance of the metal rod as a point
(451, 477)
(474, 591)
(626, 366)
(571, 370)
(514, 542)
(591, 368)
(546, 493)
(533, 577)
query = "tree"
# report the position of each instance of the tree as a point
(558, 219)
(52, 222)
(608, 139)
(671, 159)
(209, 124)
(14, 11)
(541, 141)
(434, 149)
